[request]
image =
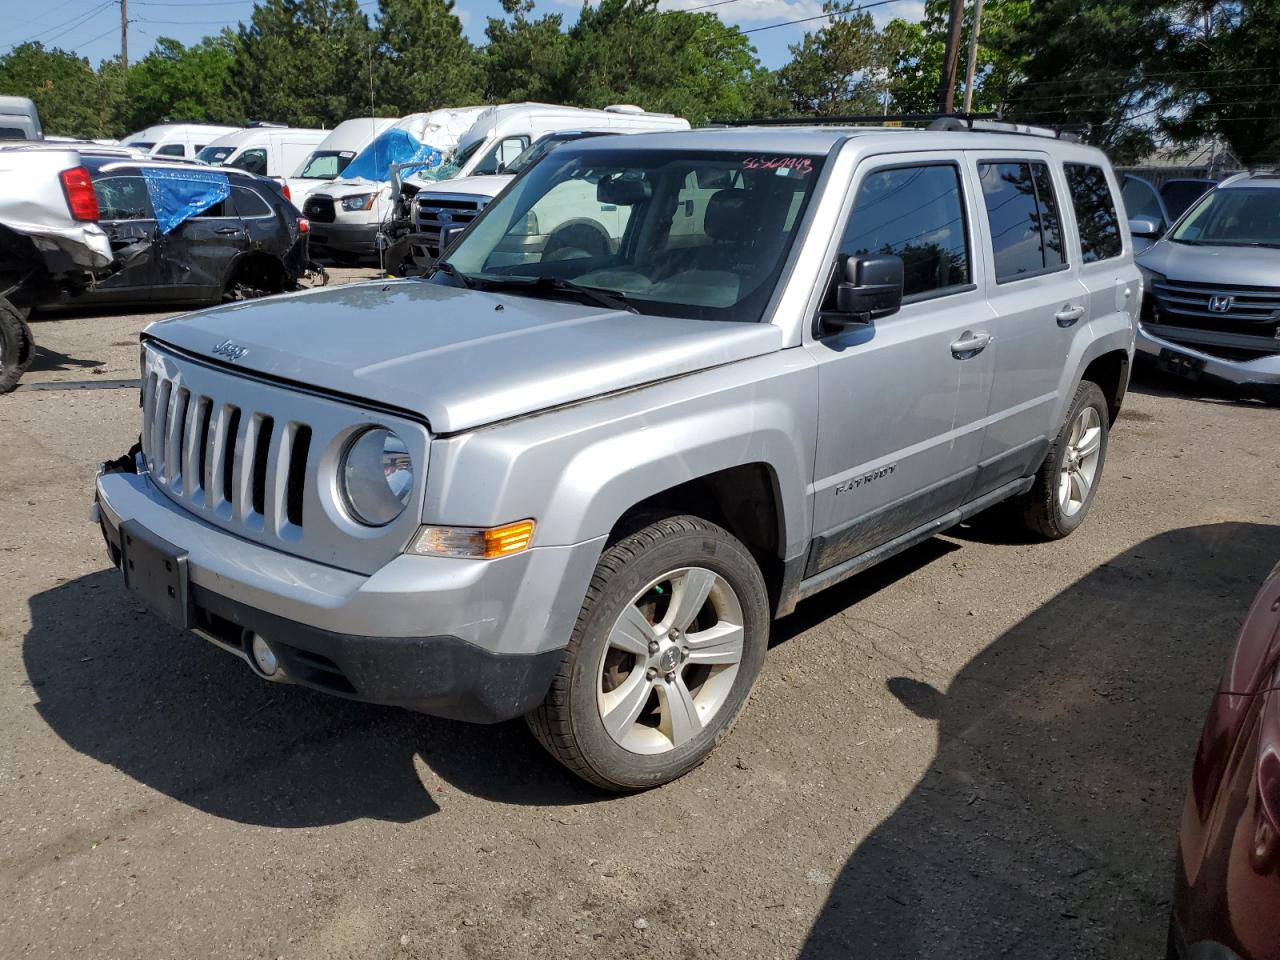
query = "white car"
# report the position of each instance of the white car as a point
(332, 155)
(176, 139)
(266, 151)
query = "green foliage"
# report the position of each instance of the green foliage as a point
(837, 69)
(423, 61)
(195, 83)
(524, 59)
(305, 62)
(74, 100)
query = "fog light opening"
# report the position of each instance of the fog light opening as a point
(264, 658)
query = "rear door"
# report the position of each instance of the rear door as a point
(1098, 243)
(199, 253)
(902, 404)
(1040, 307)
(126, 216)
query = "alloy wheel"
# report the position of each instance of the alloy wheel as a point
(1080, 462)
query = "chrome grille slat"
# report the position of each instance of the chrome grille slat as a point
(159, 428)
(277, 476)
(176, 419)
(192, 482)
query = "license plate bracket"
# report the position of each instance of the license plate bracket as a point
(1189, 368)
(156, 571)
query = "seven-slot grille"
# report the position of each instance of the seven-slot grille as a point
(1236, 319)
(437, 212)
(245, 466)
(319, 209)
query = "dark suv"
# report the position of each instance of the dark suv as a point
(253, 242)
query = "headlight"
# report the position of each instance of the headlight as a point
(363, 201)
(375, 476)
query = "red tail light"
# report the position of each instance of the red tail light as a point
(304, 225)
(287, 195)
(81, 200)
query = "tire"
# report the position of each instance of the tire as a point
(576, 241)
(642, 590)
(17, 348)
(1049, 510)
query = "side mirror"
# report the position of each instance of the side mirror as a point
(867, 288)
(1144, 227)
(448, 234)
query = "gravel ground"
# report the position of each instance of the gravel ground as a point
(978, 749)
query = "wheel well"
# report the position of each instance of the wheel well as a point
(742, 499)
(260, 270)
(1110, 372)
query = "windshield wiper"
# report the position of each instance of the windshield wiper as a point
(452, 272)
(602, 298)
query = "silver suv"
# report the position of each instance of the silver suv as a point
(1212, 307)
(579, 485)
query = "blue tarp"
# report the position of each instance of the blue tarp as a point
(178, 195)
(391, 146)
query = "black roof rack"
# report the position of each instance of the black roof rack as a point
(972, 122)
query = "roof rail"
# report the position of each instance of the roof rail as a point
(971, 122)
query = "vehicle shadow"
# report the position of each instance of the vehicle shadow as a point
(175, 713)
(52, 360)
(1045, 825)
(1146, 379)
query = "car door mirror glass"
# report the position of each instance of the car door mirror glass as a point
(868, 288)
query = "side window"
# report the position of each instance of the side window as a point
(123, 198)
(252, 161)
(171, 150)
(916, 213)
(1026, 234)
(219, 210)
(248, 203)
(1095, 212)
(506, 151)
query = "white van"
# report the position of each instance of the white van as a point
(19, 119)
(176, 139)
(496, 137)
(266, 151)
(331, 156)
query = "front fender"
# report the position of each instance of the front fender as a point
(578, 469)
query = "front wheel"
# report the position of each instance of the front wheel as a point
(1065, 486)
(17, 348)
(668, 644)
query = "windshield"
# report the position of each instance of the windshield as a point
(1238, 216)
(141, 144)
(450, 169)
(689, 234)
(325, 164)
(215, 155)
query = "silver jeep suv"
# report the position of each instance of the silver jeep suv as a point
(579, 485)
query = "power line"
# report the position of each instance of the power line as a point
(834, 15)
(64, 28)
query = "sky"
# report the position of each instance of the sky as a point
(91, 28)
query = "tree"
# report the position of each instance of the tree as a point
(835, 70)
(525, 59)
(424, 61)
(305, 62)
(195, 83)
(1222, 76)
(74, 100)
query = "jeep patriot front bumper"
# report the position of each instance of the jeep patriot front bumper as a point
(476, 640)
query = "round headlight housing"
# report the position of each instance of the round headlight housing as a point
(375, 476)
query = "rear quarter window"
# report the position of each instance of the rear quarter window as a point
(1095, 210)
(249, 204)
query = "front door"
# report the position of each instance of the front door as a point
(126, 216)
(902, 403)
(1040, 308)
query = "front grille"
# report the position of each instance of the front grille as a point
(437, 212)
(1248, 310)
(212, 455)
(319, 209)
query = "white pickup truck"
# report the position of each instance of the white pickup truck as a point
(50, 242)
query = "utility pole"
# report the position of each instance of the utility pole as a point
(973, 56)
(124, 33)
(947, 88)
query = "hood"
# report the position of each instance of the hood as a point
(484, 186)
(337, 189)
(1229, 266)
(460, 358)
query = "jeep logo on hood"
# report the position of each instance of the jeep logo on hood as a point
(232, 351)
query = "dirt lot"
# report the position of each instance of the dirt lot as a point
(978, 750)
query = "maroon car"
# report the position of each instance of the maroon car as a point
(1226, 902)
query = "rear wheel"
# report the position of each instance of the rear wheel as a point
(667, 646)
(1065, 486)
(17, 348)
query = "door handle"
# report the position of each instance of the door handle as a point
(1069, 314)
(969, 345)
(229, 231)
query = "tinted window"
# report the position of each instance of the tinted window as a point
(252, 161)
(123, 198)
(12, 133)
(1180, 194)
(170, 150)
(1095, 212)
(915, 213)
(1026, 235)
(1140, 200)
(249, 204)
